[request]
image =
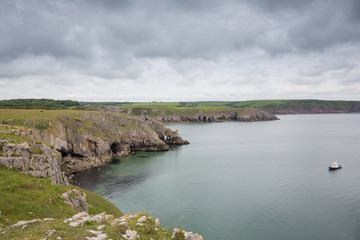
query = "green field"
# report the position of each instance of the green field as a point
(293, 104)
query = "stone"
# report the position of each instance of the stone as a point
(142, 219)
(100, 227)
(131, 235)
(20, 223)
(100, 217)
(157, 222)
(187, 235)
(46, 164)
(99, 235)
(76, 223)
(48, 219)
(51, 232)
(76, 200)
(176, 232)
(192, 236)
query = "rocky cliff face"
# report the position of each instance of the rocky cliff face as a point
(168, 115)
(92, 139)
(199, 115)
(72, 144)
(35, 159)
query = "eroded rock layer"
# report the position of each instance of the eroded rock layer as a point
(91, 139)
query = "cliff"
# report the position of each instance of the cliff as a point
(85, 140)
(191, 114)
(35, 159)
(94, 138)
(314, 106)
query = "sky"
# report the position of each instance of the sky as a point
(180, 50)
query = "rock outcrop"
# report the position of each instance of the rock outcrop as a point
(35, 159)
(195, 115)
(85, 140)
(91, 139)
(76, 200)
(178, 234)
(168, 115)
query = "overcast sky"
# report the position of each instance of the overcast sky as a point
(180, 50)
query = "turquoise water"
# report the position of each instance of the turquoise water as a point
(238, 180)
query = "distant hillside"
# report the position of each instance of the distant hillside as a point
(39, 104)
(274, 106)
(136, 108)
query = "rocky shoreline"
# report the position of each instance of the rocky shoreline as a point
(73, 144)
(191, 114)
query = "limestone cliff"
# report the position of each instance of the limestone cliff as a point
(191, 114)
(92, 139)
(35, 159)
(79, 142)
(200, 115)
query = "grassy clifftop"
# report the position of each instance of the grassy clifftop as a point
(36, 201)
(24, 198)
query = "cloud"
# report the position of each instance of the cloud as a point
(178, 50)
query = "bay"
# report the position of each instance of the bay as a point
(247, 180)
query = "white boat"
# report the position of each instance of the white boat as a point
(334, 166)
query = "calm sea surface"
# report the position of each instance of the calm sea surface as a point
(250, 181)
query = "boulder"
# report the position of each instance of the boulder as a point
(157, 222)
(131, 235)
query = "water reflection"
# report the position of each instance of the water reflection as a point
(103, 180)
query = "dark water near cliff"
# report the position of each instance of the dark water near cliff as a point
(262, 180)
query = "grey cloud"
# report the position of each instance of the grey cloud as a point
(199, 42)
(320, 68)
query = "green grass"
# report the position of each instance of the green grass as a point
(10, 134)
(24, 198)
(63, 230)
(39, 103)
(35, 118)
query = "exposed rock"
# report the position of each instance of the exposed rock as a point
(20, 223)
(131, 235)
(192, 236)
(80, 218)
(93, 139)
(76, 200)
(100, 227)
(177, 232)
(99, 235)
(157, 222)
(186, 235)
(51, 232)
(34, 159)
(141, 219)
(190, 114)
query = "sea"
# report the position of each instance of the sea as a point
(246, 180)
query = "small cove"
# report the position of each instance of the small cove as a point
(247, 180)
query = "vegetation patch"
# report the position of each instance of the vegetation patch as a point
(36, 151)
(23, 197)
(39, 104)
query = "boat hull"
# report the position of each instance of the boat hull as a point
(334, 168)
